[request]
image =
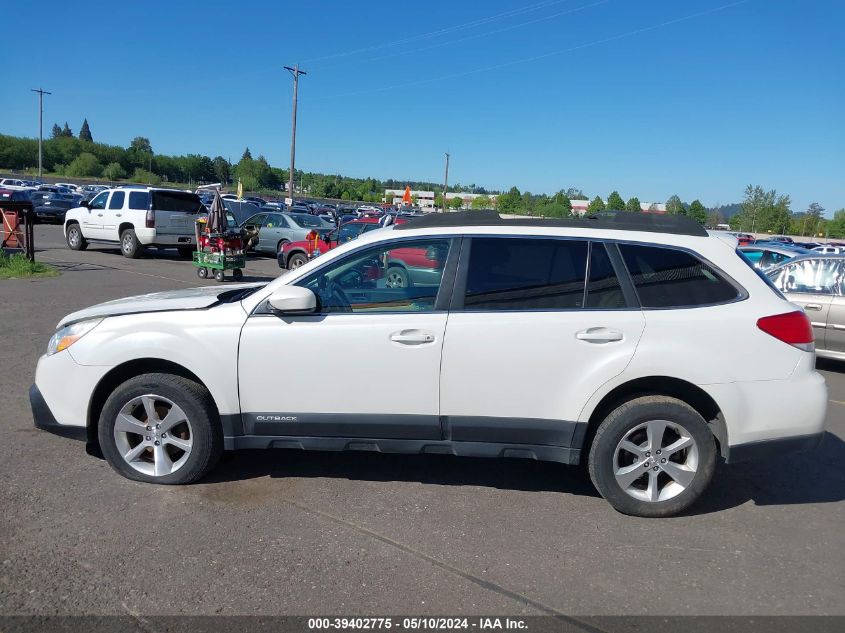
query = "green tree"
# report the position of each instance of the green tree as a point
(114, 171)
(85, 132)
(56, 131)
(615, 202)
(812, 218)
(509, 202)
(247, 155)
(763, 211)
(456, 203)
(674, 206)
(141, 144)
(145, 177)
(66, 131)
(633, 205)
(86, 164)
(573, 193)
(836, 226)
(596, 205)
(697, 211)
(481, 202)
(222, 169)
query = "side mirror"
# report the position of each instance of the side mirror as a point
(293, 300)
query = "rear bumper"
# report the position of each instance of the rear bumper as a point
(44, 419)
(771, 449)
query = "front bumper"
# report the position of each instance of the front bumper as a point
(45, 420)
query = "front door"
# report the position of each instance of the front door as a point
(92, 219)
(113, 215)
(531, 336)
(367, 365)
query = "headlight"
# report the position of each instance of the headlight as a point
(68, 335)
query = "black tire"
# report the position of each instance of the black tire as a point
(205, 430)
(296, 260)
(74, 238)
(397, 277)
(129, 245)
(237, 274)
(602, 460)
(218, 275)
(202, 272)
(186, 252)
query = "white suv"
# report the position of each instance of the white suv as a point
(638, 344)
(135, 217)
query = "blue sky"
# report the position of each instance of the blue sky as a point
(650, 97)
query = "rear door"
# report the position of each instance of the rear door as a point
(175, 214)
(532, 332)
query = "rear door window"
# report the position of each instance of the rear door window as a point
(603, 288)
(671, 278)
(526, 274)
(116, 200)
(823, 276)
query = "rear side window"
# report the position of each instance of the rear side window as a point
(669, 278)
(526, 274)
(139, 200)
(603, 288)
(116, 201)
(178, 201)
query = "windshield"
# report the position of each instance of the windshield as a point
(308, 221)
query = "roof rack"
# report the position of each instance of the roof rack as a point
(613, 220)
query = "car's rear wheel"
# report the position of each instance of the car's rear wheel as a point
(652, 457)
(129, 245)
(160, 428)
(75, 240)
(297, 260)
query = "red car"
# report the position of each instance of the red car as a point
(294, 254)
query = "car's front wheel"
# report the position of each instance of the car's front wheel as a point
(652, 457)
(297, 260)
(160, 428)
(75, 240)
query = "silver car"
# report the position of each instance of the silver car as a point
(269, 232)
(766, 256)
(815, 282)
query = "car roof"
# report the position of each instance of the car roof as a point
(617, 221)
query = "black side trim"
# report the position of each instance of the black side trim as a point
(44, 419)
(770, 449)
(359, 425)
(447, 280)
(512, 430)
(433, 447)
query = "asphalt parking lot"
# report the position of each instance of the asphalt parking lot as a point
(310, 533)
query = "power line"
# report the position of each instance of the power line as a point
(449, 29)
(526, 60)
(41, 92)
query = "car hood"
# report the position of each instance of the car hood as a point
(189, 299)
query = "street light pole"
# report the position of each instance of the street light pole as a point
(41, 92)
(296, 73)
(446, 182)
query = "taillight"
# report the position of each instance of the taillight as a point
(793, 328)
(150, 220)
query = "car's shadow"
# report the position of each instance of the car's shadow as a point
(803, 478)
(826, 364)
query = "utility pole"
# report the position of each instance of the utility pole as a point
(296, 73)
(41, 92)
(446, 182)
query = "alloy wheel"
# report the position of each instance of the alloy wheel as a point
(153, 435)
(656, 460)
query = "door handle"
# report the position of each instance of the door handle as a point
(599, 335)
(117, 214)
(812, 306)
(100, 215)
(412, 337)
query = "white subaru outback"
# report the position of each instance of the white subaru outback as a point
(638, 344)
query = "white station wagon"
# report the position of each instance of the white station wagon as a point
(620, 341)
